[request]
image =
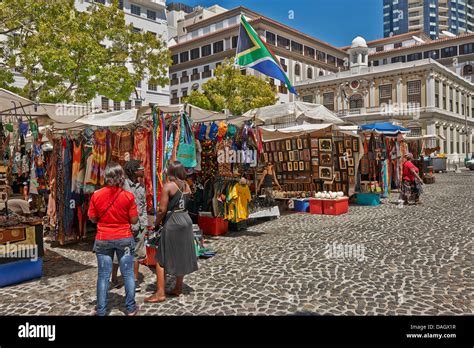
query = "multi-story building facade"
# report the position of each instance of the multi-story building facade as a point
(144, 15)
(422, 95)
(208, 36)
(432, 16)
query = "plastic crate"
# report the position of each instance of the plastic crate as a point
(302, 205)
(20, 271)
(316, 206)
(372, 199)
(213, 226)
(336, 206)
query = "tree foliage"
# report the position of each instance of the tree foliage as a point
(70, 55)
(232, 90)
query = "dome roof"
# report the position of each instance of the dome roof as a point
(359, 41)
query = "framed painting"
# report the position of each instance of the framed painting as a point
(277, 146)
(344, 176)
(351, 171)
(342, 162)
(267, 147)
(306, 155)
(351, 180)
(272, 146)
(265, 157)
(314, 143)
(305, 143)
(314, 153)
(293, 144)
(270, 157)
(307, 166)
(326, 159)
(280, 156)
(338, 187)
(296, 155)
(285, 156)
(288, 145)
(291, 156)
(315, 161)
(355, 145)
(315, 172)
(340, 147)
(350, 162)
(295, 166)
(337, 175)
(275, 157)
(299, 143)
(290, 166)
(325, 144)
(284, 167)
(301, 166)
(325, 173)
(348, 143)
(349, 152)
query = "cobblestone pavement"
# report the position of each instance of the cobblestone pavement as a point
(411, 260)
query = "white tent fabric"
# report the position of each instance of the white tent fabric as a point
(271, 134)
(110, 119)
(197, 114)
(11, 103)
(296, 110)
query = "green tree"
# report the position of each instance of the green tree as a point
(229, 89)
(70, 55)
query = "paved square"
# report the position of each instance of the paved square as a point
(381, 260)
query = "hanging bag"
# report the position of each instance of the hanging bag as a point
(187, 148)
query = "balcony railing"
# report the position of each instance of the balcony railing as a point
(206, 74)
(184, 79)
(195, 77)
(174, 82)
(174, 100)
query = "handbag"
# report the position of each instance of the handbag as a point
(187, 149)
(154, 237)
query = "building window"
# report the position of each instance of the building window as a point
(136, 10)
(116, 106)
(195, 53)
(282, 63)
(375, 63)
(356, 101)
(183, 57)
(283, 42)
(138, 104)
(449, 51)
(128, 105)
(467, 70)
(321, 56)
(385, 94)
(136, 30)
(379, 49)
(328, 100)
(207, 72)
(399, 59)
(434, 54)
(331, 59)
(297, 70)
(138, 84)
(414, 56)
(282, 89)
(218, 46)
(206, 51)
(451, 94)
(309, 51)
(414, 92)
(271, 38)
(151, 15)
(120, 4)
(308, 98)
(235, 39)
(397, 45)
(152, 87)
(184, 92)
(105, 103)
(309, 73)
(296, 47)
(466, 48)
(451, 142)
(175, 59)
(321, 73)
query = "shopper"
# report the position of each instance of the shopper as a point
(411, 181)
(267, 180)
(176, 254)
(114, 209)
(134, 172)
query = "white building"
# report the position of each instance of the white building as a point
(206, 37)
(145, 15)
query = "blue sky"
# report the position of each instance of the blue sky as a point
(334, 21)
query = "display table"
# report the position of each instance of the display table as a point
(270, 212)
(21, 250)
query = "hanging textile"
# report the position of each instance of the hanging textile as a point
(99, 158)
(76, 164)
(142, 153)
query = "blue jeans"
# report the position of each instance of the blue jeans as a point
(105, 250)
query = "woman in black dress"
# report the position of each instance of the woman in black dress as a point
(175, 254)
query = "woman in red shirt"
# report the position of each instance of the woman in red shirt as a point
(114, 209)
(411, 181)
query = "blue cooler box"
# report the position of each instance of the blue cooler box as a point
(20, 271)
(372, 199)
(302, 205)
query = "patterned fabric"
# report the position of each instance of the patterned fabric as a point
(410, 190)
(121, 144)
(76, 164)
(99, 158)
(142, 152)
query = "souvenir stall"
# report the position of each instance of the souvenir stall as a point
(384, 146)
(312, 161)
(426, 155)
(24, 155)
(220, 173)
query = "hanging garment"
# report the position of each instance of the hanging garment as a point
(241, 196)
(177, 139)
(69, 205)
(87, 160)
(76, 164)
(51, 211)
(198, 156)
(142, 152)
(186, 152)
(99, 158)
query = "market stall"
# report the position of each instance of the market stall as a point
(384, 146)
(427, 156)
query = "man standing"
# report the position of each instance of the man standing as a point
(134, 172)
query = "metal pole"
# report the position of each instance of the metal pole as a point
(466, 135)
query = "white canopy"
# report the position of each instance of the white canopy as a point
(16, 105)
(313, 113)
(271, 134)
(197, 114)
